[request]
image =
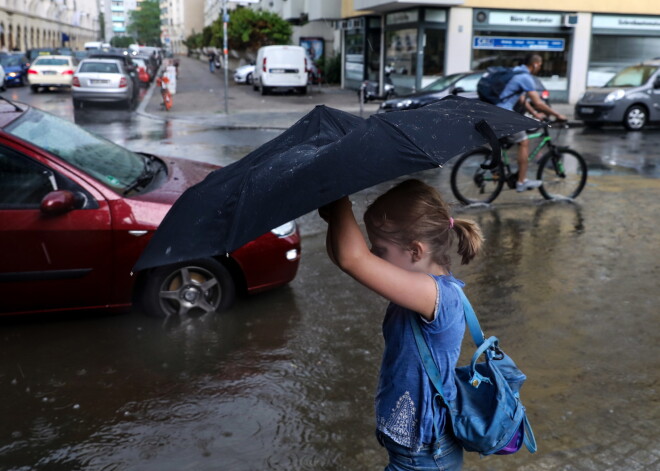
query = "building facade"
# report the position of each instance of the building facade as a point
(117, 16)
(582, 42)
(27, 24)
(178, 20)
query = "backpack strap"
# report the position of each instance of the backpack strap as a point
(502, 100)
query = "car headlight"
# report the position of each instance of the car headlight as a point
(615, 95)
(13, 74)
(285, 229)
(404, 103)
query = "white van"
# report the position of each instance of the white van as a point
(93, 45)
(280, 67)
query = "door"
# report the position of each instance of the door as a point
(50, 261)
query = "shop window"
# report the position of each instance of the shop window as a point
(553, 74)
(434, 55)
(354, 43)
(401, 56)
(609, 54)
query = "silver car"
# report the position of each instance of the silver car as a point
(631, 98)
(102, 80)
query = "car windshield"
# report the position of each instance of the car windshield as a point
(51, 61)
(442, 83)
(10, 61)
(99, 68)
(634, 76)
(107, 162)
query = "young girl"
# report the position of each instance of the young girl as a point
(411, 231)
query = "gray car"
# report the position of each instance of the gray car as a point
(631, 98)
(102, 80)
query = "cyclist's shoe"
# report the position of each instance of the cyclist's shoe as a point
(528, 185)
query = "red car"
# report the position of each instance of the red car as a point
(76, 211)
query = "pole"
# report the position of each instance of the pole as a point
(225, 54)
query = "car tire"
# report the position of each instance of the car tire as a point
(248, 79)
(635, 118)
(302, 90)
(196, 288)
(34, 88)
(264, 90)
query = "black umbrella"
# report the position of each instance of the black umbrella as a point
(324, 156)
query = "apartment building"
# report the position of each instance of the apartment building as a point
(582, 41)
(26, 24)
(178, 19)
(117, 16)
(314, 23)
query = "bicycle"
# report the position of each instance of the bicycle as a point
(562, 170)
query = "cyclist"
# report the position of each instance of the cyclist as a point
(519, 90)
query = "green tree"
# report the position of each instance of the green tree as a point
(121, 41)
(145, 23)
(250, 29)
(102, 26)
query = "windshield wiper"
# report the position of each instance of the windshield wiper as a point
(16, 107)
(147, 175)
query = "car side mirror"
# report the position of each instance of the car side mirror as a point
(457, 90)
(60, 202)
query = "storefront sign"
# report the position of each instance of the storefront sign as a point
(410, 16)
(626, 22)
(523, 18)
(518, 44)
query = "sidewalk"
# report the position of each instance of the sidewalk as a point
(200, 98)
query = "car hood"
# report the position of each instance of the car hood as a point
(181, 174)
(598, 95)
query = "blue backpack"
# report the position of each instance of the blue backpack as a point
(492, 83)
(487, 415)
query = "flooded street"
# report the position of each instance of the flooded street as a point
(285, 380)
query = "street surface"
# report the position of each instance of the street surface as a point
(285, 379)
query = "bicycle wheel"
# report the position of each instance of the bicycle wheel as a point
(472, 184)
(563, 173)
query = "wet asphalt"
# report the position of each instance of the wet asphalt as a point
(285, 380)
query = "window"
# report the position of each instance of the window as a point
(23, 182)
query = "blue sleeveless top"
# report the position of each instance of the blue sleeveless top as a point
(406, 409)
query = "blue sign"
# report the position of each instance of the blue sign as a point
(518, 44)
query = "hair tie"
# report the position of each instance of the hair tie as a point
(451, 223)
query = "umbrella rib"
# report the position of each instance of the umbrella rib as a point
(401, 133)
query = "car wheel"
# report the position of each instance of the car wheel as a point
(188, 289)
(34, 88)
(635, 118)
(264, 90)
(248, 79)
(302, 90)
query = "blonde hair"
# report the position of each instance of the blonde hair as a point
(412, 212)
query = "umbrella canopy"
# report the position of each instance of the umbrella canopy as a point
(324, 156)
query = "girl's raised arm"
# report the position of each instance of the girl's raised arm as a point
(404, 282)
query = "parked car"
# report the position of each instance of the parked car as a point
(631, 98)
(77, 210)
(123, 56)
(283, 67)
(462, 84)
(15, 68)
(102, 80)
(244, 74)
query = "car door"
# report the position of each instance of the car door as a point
(50, 261)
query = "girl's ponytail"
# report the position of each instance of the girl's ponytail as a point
(470, 239)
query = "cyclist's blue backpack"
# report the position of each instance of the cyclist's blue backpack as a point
(487, 415)
(492, 83)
